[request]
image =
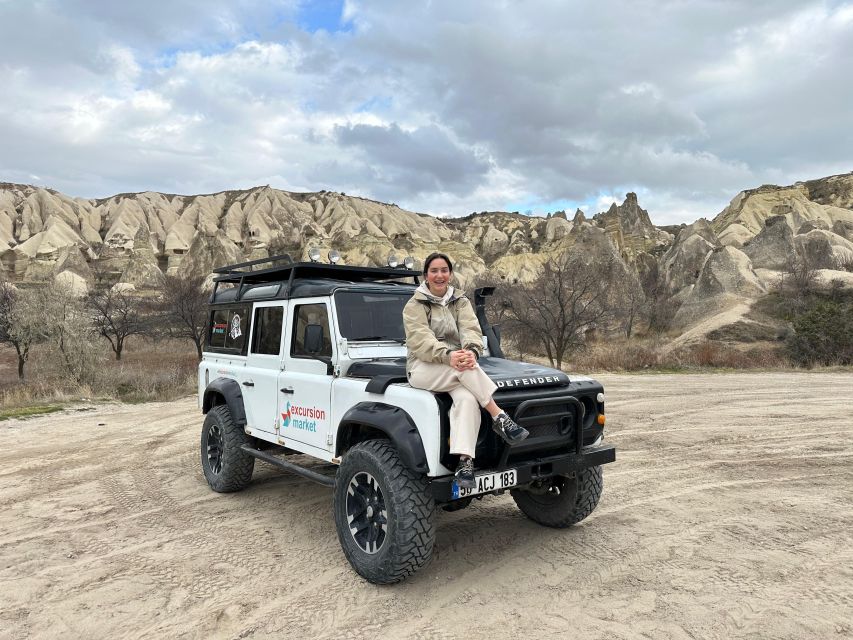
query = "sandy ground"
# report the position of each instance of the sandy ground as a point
(728, 514)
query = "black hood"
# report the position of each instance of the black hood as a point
(507, 374)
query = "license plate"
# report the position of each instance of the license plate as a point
(487, 482)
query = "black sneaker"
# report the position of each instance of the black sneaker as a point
(506, 428)
(465, 474)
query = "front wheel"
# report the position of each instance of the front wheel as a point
(384, 513)
(561, 501)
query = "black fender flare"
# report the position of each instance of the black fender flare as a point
(393, 422)
(231, 393)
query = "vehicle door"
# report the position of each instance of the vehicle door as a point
(263, 365)
(306, 382)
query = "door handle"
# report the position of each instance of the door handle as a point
(248, 383)
(287, 390)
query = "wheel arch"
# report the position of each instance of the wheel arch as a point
(225, 391)
(371, 420)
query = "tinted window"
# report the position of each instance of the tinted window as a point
(371, 315)
(308, 314)
(228, 329)
(267, 330)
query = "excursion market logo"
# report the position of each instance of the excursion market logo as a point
(304, 418)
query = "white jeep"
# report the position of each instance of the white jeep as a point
(309, 358)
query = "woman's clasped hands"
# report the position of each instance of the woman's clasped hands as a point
(463, 359)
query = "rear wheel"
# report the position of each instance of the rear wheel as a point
(226, 466)
(561, 501)
(384, 513)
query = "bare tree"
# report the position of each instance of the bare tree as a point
(183, 308)
(65, 322)
(570, 298)
(117, 315)
(660, 308)
(514, 340)
(19, 327)
(799, 278)
(628, 299)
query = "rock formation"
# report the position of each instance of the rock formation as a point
(745, 215)
(631, 229)
(135, 239)
(773, 247)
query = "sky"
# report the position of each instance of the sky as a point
(440, 107)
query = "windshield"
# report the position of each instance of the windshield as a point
(364, 315)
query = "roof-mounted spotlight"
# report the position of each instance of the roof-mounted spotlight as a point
(334, 257)
(409, 262)
(314, 254)
(392, 261)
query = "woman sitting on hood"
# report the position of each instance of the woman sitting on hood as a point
(444, 341)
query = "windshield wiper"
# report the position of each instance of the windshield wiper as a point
(397, 340)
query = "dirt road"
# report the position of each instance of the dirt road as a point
(729, 513)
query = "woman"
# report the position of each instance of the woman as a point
(444, 341)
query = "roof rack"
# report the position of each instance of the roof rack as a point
(252, 263)
(236, 273)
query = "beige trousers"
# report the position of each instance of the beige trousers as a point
(470, 390)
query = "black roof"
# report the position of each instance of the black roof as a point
(302, 280)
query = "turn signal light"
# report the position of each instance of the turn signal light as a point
(601, 419)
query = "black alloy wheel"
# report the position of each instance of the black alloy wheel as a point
(366, 512)
(214, 449)
(384, 513)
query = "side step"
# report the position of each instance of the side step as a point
(289, 466)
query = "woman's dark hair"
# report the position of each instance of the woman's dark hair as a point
(435, 255)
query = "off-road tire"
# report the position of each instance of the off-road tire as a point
(576, 499)
(409, 510)
(226, 467)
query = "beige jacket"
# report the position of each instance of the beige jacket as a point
(434, 330)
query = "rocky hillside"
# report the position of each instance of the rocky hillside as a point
(706, 267)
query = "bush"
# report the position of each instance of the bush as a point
(150, 370)
(655, 355)
(618, 356)
(823, 334)
(719, 355)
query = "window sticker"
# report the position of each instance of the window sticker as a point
(235, 327)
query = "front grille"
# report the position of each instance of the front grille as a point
(544, 429)
(561, 424)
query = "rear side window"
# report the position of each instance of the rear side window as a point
(228, 329)
(267, 330)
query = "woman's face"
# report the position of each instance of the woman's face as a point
(438, 276)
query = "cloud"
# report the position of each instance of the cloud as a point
(424, 160)
(441, 107)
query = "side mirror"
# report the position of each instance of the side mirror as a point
(313, 339)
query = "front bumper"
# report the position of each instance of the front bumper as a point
(537, 468)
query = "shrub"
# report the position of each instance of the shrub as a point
(823, 334)
(162, 370)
